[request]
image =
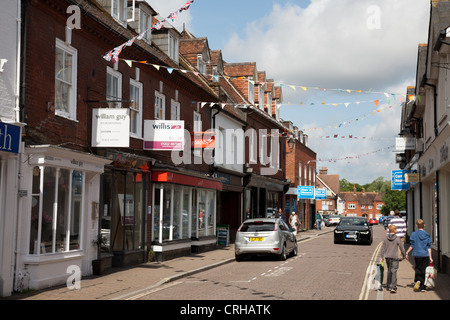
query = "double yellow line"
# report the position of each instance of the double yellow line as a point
(369, 273)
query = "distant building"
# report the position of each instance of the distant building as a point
(360, 203)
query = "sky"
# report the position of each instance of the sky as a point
(323, 52)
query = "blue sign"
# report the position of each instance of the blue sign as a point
(305, 192)
(398, 181)
(321, 193)
(9, 137)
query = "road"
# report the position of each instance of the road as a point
(322, 270)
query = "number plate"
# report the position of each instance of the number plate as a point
(352, 236)
(256, 239)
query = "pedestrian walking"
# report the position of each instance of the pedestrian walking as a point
(421, 250)
(389, 252)
(293, 221)
(388, 219)
(281, 214)
(318, 221)
(400, 223)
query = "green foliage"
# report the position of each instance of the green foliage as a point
(393, 199)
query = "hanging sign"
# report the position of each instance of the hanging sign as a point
(164, 135)
(321, 193)
(110, 127)
(398, 181)
(305, 192)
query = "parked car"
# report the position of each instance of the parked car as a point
(373, 221)
(265, 236)
(325, 218)
(353, 229)
(333, 219)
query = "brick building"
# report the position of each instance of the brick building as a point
(362, 203)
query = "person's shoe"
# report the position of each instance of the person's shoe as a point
(416, 286)
(393, 290)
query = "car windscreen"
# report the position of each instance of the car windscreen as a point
(257, 226)
(353, 222)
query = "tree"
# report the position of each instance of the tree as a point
(393, 200)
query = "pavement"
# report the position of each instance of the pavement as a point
(132, 282)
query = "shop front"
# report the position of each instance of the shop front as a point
(59, 191)
(264, 195)
(124, 205)
(184, 213)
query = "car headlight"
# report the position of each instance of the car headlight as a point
(338, 231)
(364, 232)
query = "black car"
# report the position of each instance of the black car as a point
(353, 229)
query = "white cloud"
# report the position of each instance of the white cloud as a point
(329, 43)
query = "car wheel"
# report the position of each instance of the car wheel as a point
(283, 255)
(238, 257)
(295, 250)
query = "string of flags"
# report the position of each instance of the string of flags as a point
(395, 96)
(357, 156)
(113, 55)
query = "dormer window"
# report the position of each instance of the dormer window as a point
(145, 24)
(173, 48)
(119, 11)
(201, 64)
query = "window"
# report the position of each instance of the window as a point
(174, 110)
(201, 64)
(160, 106)
(57, 210)
(300, 173)
(145, 24)
(65, 80)
(119, 11)
(113, 87)
(173, 48)
(136, 108)
(197, 128)
(351, 206)
(251, 91)
(261, 97)
(269, 103)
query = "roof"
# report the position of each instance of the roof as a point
(363, 198)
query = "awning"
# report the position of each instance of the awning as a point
(186, 179)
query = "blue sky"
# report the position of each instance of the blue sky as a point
(367, 45)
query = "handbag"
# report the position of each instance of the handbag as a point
(430, 276)
(380, 275)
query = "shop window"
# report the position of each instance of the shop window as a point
(56, 210)
(182, 212)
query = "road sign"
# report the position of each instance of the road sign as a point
(305, 192)
(398, 181)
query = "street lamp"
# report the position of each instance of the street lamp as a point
(291, 143)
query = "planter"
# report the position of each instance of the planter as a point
(98, 266)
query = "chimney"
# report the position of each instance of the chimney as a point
(323, 170)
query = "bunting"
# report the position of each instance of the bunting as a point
(113, 55)
(395, 96)
(357, 156)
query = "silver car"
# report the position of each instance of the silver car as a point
(265, 236)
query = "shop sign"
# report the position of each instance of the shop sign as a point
(164, 135)
(202, 140)
(305, 192)
(9, 137)
(110, 128)
(405, 143)
(398, 181)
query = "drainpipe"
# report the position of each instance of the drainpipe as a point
(438, 241)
